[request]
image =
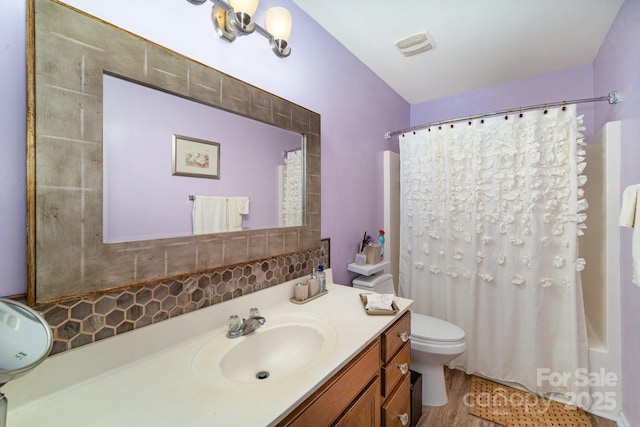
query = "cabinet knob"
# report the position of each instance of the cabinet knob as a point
(404, 336)
(404, 368)
(404, 418)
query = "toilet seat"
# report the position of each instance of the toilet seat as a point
(431, 330)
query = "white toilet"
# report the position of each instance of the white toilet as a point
(434, 342)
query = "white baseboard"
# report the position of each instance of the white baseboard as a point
(618, 418)
(622, 421)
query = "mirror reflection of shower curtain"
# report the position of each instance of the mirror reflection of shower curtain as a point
(490, 214)
(291, 191)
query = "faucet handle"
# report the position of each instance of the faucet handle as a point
(254, 312)
(234, 323)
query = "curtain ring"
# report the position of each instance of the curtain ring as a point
(439, 127)
(506, 117)
(469, 122)
(452, 126)
(482, 121)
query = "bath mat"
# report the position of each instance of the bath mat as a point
(509, 407)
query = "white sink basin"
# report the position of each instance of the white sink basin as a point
(282, 347)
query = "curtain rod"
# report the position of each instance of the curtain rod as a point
(613, 98)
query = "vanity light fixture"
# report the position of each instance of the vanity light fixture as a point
(233, 19)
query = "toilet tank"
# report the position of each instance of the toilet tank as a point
(380, 283)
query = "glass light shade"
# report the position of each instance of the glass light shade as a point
(278, 22)
(244, 6)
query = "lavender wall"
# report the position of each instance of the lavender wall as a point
(617, 66)
(356, 108)
(321, 75)
(142, 200)
(573, 83)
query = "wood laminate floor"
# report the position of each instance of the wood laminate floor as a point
(456, 414)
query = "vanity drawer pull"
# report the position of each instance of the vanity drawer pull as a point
(404, 336)
(404, 368)
(404, 418)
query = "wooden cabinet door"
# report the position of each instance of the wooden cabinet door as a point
(365, 411)
(326, 405)
(396, 411)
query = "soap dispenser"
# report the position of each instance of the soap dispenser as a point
(314, 284)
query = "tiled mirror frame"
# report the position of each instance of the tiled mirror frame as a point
(65, 250)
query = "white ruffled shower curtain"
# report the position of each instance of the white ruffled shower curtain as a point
(292, 191)
(490, 215)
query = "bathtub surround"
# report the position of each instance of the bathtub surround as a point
(630, 217)
(490, 215)
(618, 62)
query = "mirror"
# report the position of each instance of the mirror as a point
(25, 341)
(66, 249)
(143, 200)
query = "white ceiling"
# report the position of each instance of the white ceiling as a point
(478, 43)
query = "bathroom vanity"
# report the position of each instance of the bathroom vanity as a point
(353, 396)
(185, 372)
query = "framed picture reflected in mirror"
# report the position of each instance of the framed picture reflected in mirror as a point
(195, 157)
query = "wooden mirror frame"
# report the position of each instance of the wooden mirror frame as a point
(67, 53)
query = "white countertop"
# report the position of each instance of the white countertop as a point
(145, 378)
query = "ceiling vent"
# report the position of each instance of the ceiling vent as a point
(415, 44)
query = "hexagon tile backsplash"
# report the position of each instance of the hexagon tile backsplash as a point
(83, 321)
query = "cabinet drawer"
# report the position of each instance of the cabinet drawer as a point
(396, 336)
(365, 411)
(396, 369)
(326, 405)
(396, 411)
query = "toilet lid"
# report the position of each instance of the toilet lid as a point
(434, 329)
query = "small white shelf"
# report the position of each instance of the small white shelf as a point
(368, 269)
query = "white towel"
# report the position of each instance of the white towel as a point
(209, 215)
(629, 206)
(379, 301)
(630, 217)
(236, 207)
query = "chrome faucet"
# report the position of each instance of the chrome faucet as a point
(239, 328)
